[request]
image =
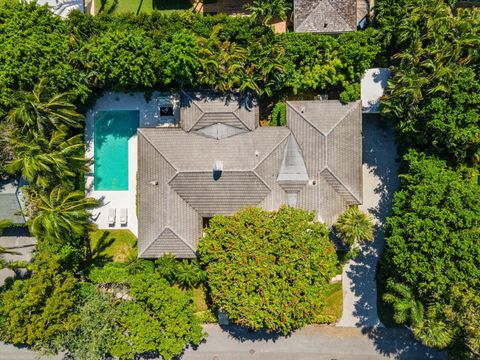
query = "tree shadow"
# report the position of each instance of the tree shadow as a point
(381, 161)
(243, 334)
(95, 255)
(171, 4)
(399, 343)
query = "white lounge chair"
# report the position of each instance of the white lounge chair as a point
(111, 216)
(123, 216)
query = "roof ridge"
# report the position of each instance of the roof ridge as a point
(192, 101)
(343, 117)
(273, 149)
(181, 238)
(306, 120)
(340, 13)
(156, 149)
(160, 234)
(321, 2)
(341, 182)
(238, 117)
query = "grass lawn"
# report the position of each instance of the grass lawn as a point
(112, 245)
(206, 314)
(140, 6)
(334, 301)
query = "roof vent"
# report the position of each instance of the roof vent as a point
(153, 182)
(302, 110)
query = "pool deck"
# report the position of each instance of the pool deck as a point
(149, 117)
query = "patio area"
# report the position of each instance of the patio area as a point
(161, 110)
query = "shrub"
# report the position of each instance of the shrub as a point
(35, 311)
(432, 246)
(268, 269)
(279, 114)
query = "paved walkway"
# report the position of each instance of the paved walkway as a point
(380, 180)
(23, 246)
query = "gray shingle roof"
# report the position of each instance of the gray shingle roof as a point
(203, 108)
(315, 163)
(325, 16)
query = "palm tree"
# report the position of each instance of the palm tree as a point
(434, 332)
(266, 10)
(406, 308)
(60, 214)
(167, 266)
(189, 274)
(354, 226)
(42, 161)
(222, 63)
(41, 112)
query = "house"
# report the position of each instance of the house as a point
(219, 161)
(329, 16)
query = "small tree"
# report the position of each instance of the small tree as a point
(268, 269)
(354, 226)
(266, 10)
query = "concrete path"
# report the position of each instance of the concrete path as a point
(22, 245)
(380, 180)
(311, 343)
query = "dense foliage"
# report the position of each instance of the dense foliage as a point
(86, 53)
(268, 269)
(160, 318)
(434, 90)
(433, 244)
(157, 318)
(35, 311)
(430, 267)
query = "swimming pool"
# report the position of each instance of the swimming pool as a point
(112, 130)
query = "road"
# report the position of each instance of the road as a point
(312, 342)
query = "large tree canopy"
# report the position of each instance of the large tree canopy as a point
(268, 269)
(433, 241)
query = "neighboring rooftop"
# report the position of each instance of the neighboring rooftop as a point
(325, 16)
(186, 175)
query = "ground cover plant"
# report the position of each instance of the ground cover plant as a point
(268, 270)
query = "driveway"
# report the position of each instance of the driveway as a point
(380, 180)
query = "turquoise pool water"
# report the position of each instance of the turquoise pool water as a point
(112, 129)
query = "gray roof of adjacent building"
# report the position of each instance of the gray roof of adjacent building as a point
(325, 16)
(184, 176)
